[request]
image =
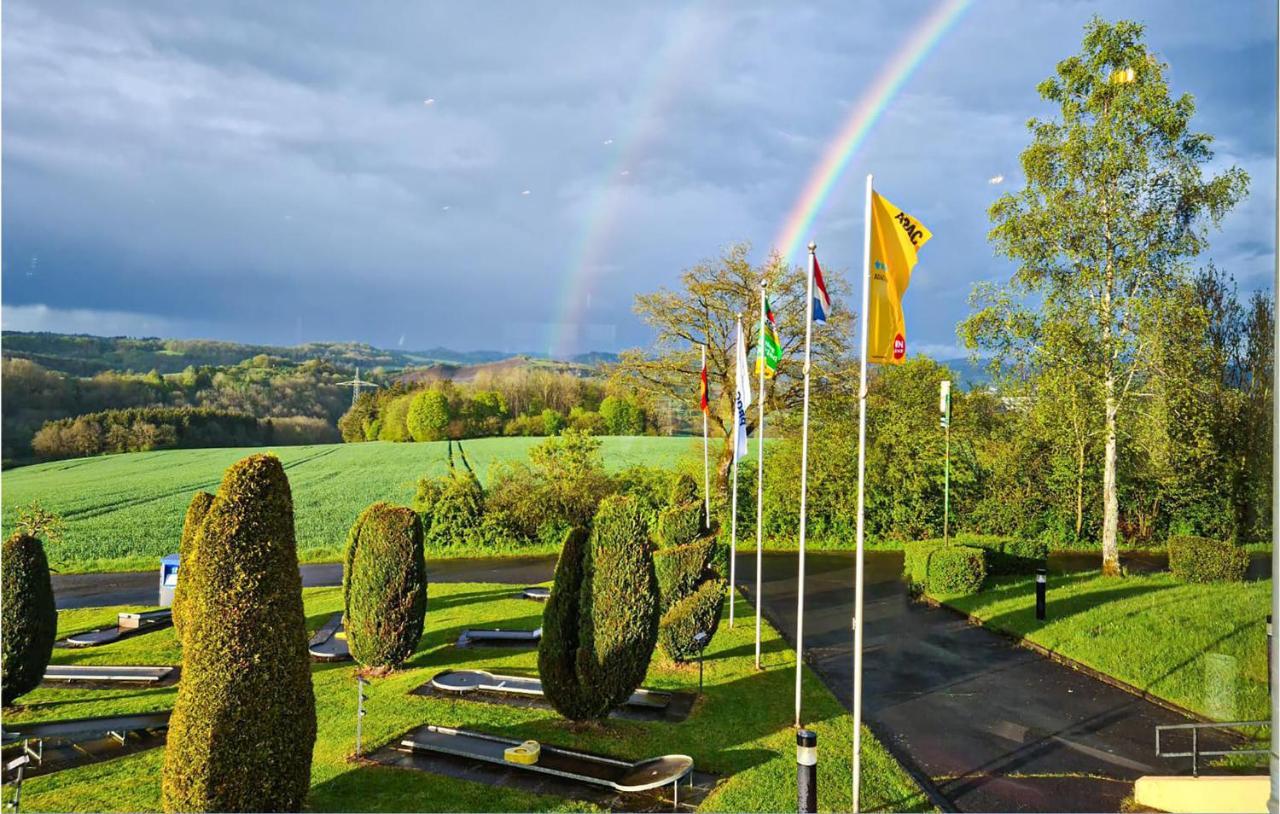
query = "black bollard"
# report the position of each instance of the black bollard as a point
(807, 771)
(1270, 669)
(1042, 578)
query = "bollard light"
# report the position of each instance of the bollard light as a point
(1042, 580)
(1270, 639)
(700, 639)
(806, 771)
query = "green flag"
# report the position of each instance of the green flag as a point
(769, 349)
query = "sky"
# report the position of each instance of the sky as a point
(509, 176)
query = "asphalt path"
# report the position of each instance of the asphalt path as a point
(991, 726)
(143, 587)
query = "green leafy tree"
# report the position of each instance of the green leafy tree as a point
(1115, 201)
(28, 615)
(244, 722)
(622, 415)
(429, 415)
(704, 309)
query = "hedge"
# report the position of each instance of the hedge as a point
(697, 613)
(1199, 559)
(601, 622)
(244, 722)
(936, 567)
(1008, 555)
(196, 511)
(384, 585)
(28, 616)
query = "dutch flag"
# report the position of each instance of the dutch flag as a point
(821, 302)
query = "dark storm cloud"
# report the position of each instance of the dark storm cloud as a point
(270, 173)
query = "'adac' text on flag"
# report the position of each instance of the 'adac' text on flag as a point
(896, 238)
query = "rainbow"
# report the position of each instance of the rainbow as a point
(868, 110)
(658, 87)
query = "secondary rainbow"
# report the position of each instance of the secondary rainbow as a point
(862, 118)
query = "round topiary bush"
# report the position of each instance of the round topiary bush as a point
(680, 524)
(196, 511)
(697, 613)
(244, 723)
(601, 621)
(384, 585)
(28, 616)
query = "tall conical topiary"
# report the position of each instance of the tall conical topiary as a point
(601, 621)
(384, 585)
(28, 616)
(196, 511)
(244, 722)
(692, 592)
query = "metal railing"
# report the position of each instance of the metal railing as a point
(1196, 752)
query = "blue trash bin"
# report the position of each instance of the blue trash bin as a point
(168, 579)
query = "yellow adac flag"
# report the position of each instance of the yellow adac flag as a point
(896, 237)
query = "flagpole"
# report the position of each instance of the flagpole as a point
(862, 468)
(760, 360)
(733, 534)
(804, 477)
(707, 465)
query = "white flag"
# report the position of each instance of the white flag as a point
(741, 397)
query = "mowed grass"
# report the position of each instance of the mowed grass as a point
(740, 729)
(122, 512)
(1201, 647)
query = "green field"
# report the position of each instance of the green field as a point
(1202, 647)
(122, 512)
(740, 729)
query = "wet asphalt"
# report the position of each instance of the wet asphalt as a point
(984, 724)
(990, 725)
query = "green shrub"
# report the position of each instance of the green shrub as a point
(428, 415)
(697, 613)
(684, 489)
(29, 616)
(1008, 555)
(601, 623)
(196, 511)
(1199, 559)
(956, 569)
(458, 511)
(244, 722)
(682, 568)
(679, 525)
(384, 585)
(937, 567)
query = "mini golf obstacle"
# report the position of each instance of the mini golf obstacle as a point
(570, 767)
(56, 745)
(647, 705)
(127, 624)
(497, 637)
(538, 593)
(330, 641)
(109, 675)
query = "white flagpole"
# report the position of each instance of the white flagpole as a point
(760, 476)
(733, 533)
(804, 476)
(862, 468)
(707, 461)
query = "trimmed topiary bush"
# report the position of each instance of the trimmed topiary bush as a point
(915, 562)
(698, 612)
(680, 524)
(196, 511)
(1200, 559)
(956, 569)
(384, 585)
(601, 622)
(682, 568)
(244, 723)
(1008, 555)
(684, 489)
(29, 617)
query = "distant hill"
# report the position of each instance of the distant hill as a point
(85, 355)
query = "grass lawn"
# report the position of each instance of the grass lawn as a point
(1202, 647)
(123, 512)
(740, 729)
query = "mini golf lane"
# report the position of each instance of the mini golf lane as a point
(991, 726)
(643, 705)
(620, 785)
(140, 587)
